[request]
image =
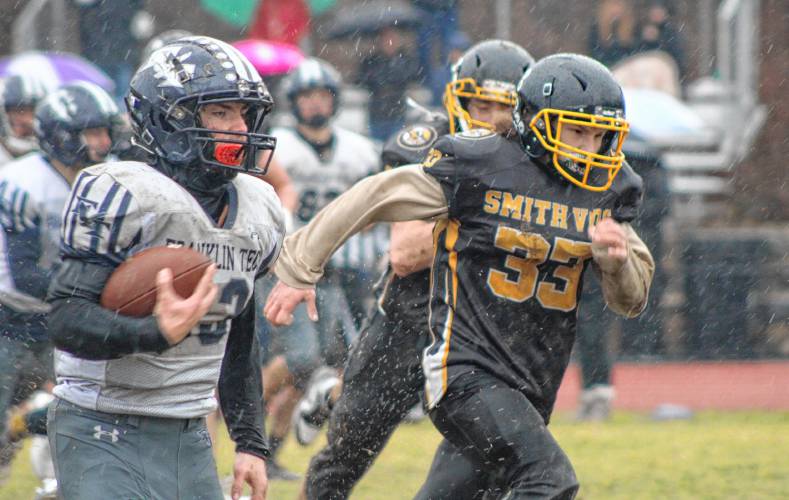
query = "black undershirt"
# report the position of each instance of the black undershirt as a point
(323, 150)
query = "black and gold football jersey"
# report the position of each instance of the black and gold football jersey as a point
(509, 264)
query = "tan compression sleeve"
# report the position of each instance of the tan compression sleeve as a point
(404, 193)
(626, 289)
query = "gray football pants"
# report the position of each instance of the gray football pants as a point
(101, 455)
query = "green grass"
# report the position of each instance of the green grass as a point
(714, 456)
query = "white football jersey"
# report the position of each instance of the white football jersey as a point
(119, 209)
(5, 156)
(318, 182)
(32, 196)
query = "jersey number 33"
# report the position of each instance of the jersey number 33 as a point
(535, 267)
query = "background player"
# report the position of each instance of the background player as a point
(515, 236)
(383, 377)
(132, 393)
(19, 95)
(74, 127)
(322, 160)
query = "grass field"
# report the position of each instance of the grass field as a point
(713, 456)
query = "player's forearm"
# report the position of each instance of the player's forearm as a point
(411, 247)
(24, 253)
(627, 288)
(80, 326)
(240, 387)
(406, 193)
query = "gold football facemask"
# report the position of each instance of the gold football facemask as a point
(575, 164)
(467, 88)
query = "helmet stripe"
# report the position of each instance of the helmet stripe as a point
(240, 62)
(102, 99)
(35, 67)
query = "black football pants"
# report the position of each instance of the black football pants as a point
(383, 379)
(499, 436)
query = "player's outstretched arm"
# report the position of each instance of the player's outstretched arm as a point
(625, 265)
(405, 193)
(284, 299)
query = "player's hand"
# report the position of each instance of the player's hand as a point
(176, 315)
(252, 470)
(609, 244)
(282, 301)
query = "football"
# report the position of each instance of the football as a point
(131, 289)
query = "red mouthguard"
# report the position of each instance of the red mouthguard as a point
(228, 153)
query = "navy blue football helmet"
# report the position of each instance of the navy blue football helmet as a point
(311, 74)
(62, 117)
(166, 94)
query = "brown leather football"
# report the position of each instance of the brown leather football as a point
(131, 289)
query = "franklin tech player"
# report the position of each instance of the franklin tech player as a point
(383, 376)
(19, 95)
(132, 393)
(519, 221)
(75, 127)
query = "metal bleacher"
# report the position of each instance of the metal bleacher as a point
(700, 165)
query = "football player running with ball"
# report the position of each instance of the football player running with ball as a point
(519, 221)
(133, 393)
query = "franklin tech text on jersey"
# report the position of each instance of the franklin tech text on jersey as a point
(541, 212)
(225, 256)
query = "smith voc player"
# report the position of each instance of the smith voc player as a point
(383, 375)
(132, 393)
(520, 219)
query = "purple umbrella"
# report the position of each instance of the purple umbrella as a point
(270, 58)
(55, 69)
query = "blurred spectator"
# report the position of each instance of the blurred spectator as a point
(440, 21)
(613, 34)
(653, 69)
(641, 336)
(458, 43)
(657, 32)
(109, 32)
(386, 73)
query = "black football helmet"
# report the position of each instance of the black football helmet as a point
(312, 73)
(62, 116)
(19, 91)
(571, 89)
(166, 94)
(489, 70)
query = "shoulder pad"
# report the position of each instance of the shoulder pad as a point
(411, 144)
(470, 145)
(628, 189)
